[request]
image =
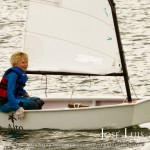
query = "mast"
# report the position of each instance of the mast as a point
(122, 57)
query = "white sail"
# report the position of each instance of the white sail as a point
(74, 36)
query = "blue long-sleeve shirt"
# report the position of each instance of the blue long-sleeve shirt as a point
(12, 100)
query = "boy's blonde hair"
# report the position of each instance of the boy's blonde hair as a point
(18, 56)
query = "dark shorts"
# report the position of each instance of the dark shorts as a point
(28, 103)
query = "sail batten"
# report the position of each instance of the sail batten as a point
(74, 36)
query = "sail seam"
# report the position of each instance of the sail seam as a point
(74, 43)
(111, 26)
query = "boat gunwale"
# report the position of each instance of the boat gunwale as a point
(92, 107)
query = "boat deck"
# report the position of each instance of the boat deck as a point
(53, 103)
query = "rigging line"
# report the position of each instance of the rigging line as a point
(46, 86)
(74, 43)
(77, 87)
(74, 89)
(61, 78)
(55, 5)
(121, 90)
(90, 81)
(134, 90)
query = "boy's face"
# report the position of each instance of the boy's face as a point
(22, 64)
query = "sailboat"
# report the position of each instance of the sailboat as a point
(77, 37)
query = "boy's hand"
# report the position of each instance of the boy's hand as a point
(20, 113)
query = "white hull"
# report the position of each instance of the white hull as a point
(101, 113)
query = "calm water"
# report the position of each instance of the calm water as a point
(133, 16)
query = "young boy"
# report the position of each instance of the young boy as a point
(13, 97)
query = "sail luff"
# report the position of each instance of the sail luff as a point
(122, 57)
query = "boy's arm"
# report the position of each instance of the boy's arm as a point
(12, 79)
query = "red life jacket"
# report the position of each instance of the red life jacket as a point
(3, 90)
(22, 78)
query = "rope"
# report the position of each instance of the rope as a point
(134, 90)
(125, 100)
(83, 82)
(66, 83)
(45, 84)
(130, 86)
(74, 89)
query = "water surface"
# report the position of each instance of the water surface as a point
(133, 17)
